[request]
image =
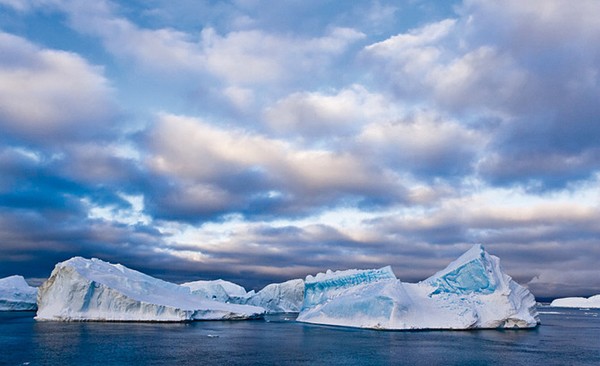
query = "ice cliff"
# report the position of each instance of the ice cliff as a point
(84, 289)
(577, 302)
(471, 292)
(285, 297)
(16, 294)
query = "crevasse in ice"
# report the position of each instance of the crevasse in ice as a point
(471, 292)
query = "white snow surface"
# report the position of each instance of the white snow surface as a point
(471, 292)
(592, 302)
(219, 290)
(91, 289)
(285, 297)
(16, 294)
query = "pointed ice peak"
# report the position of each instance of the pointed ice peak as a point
(476, 252)
(474, 271)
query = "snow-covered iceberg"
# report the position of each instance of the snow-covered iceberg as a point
(471, 292)
(219, 290)
(17, 295)
(285, 297)
(592, 302)
(91, 289)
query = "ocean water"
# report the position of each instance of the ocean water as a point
(566, 337)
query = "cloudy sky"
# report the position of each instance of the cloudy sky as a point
(259, 141)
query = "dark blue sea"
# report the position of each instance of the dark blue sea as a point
(566, 337)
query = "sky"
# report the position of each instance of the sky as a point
(260, 141)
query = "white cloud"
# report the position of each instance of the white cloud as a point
(193, 149)
(316, 114)
(133, 215)
(254, 56)
(436, 62)
(480, 78)
(239, 57)
(241, 98)
(47, 94)
(410, 55)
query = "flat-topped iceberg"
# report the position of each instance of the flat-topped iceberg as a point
(17, 295)
(471, 292)
(592, 302)
(285, 297)
(219, 290)
(91, 289)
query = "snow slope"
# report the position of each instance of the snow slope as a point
(471, 292)
(577, 302)
(16, 294)
(91, 289)
(285, 297)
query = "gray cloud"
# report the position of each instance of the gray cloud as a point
(209, 170)
(514, 63)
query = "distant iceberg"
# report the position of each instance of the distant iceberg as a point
(17, 295)
(592, 302)
(471, 292)
(91, 289)
(285, 297)
(219, 290)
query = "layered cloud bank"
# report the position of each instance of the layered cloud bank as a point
(258, 143)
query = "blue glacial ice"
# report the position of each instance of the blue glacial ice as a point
(471, 292)
(319, 289)
(470, 273)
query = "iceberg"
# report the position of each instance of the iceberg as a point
(82, 289)
(592, 302)
(219, 290)
(17, 295)
(285, 297)
(471, 292)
